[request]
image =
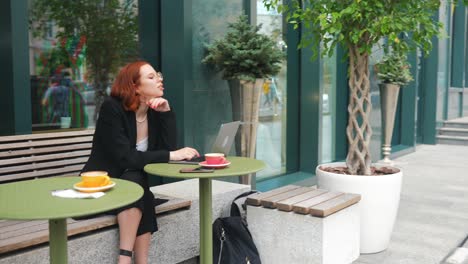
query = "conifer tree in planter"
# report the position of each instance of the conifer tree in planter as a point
(245, 58)
(359, 25)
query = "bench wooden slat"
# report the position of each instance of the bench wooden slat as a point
(37, 232)
(66, 170)
(303, 207)
(36, 166)
(39, 136)
(30, 233)
(91, 224)
(35, 151)
(271, 202)
(334, 205)
(24, 241)
(4, 223)
(287, 205)
(256, 200)
(20, 228)
(59, 156)
(173, 204)
(48, 142)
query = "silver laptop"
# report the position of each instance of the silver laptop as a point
(223, 143)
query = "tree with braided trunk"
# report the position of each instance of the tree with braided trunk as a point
(359, 25)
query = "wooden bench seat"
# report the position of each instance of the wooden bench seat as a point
(25, 157)
(304, 200)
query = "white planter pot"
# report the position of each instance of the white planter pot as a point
(380, 198)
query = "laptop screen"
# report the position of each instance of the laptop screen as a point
(225, 138)
(223, 143)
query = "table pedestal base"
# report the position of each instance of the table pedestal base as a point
(206, 229)
(58, 241)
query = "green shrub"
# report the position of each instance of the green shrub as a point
(394, 68)
(244, 54)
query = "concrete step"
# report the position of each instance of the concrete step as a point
(452, 140)
(457, 132)
(455, 124)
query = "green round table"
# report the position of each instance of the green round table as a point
(238, 166)
(32, 200)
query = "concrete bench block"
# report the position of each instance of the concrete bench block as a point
(288, 237)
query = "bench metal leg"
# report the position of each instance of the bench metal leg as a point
(58, 241)
(206, 229)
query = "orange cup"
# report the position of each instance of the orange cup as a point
(215, 158)
(95, 178)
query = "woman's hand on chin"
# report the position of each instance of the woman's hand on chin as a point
(159, 104)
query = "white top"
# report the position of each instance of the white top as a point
(142, 145)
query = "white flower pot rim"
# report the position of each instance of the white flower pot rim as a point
(343, 164)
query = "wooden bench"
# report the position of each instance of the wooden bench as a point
(304, 200)
(295, 224)
(25, 157)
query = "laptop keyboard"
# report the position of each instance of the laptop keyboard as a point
(197, 159)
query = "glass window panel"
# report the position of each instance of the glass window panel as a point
(442, 66)
(75, 49)
(453, 102)
(465, 102)
(210, 99)
(271, 134)
(328, 83)
(376, 114)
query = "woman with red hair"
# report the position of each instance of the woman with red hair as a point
(136, 126)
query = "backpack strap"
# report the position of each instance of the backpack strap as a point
(234, 208)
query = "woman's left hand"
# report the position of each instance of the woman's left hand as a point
(159, 104)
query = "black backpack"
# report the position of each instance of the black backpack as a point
(232, 241)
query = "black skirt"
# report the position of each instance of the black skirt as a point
(148, 221)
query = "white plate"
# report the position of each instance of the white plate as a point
(216, 166)
(94, 189)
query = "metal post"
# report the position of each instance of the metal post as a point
(58, 241)
(206, 230)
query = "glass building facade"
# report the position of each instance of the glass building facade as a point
(51, 78)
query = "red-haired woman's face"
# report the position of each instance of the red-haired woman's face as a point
(150, 84)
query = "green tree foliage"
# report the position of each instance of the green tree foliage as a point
(362, 23)
(109, 26)
(244, 54)
(358, 25)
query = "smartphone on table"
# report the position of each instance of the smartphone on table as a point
(196, 170)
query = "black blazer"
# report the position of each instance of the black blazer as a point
(114, 141)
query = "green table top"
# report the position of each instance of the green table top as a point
(238, 166)
(31, 200)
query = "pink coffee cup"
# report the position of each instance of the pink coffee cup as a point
(215, 158)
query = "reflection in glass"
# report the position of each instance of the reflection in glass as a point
(271, 134)
(328, 83)
(75, 49)
(209, 93)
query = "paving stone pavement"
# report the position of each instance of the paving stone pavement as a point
(432, 221)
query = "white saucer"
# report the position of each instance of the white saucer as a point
(94, 189)
(215, 166)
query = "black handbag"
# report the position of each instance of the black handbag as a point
(232, 241)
